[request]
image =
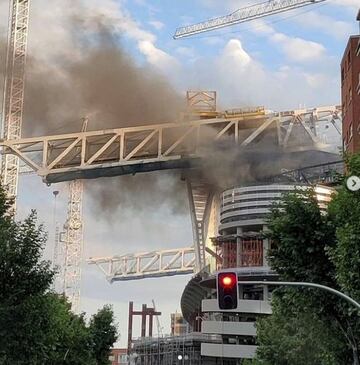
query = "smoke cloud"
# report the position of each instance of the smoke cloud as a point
(105, 85)
(89, 74)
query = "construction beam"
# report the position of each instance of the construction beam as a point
(243, 15)
(14, 93)
(200, 196)
(147, 264)
(112, 152)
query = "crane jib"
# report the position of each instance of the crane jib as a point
(243, 15)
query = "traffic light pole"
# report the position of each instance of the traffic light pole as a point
(303, 284)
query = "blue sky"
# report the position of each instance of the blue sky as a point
(280, 62)
(300, 50)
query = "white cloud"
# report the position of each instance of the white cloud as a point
(327, 25)
(316, 80)
(298, 49)
(186, 52)
(232, 5)
(241, 80)
(353, 4)
(156, 56)
(234, 53)
(158, 25)
(212, 40)
(295, 48)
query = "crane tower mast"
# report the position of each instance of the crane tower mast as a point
(243, 15)
(14, 90)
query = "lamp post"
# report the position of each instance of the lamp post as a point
(303, 284)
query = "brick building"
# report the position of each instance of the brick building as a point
(179, 326)
(118, 357)
(350, 94)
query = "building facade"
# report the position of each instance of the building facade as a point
(350, 94)
(179, 326)
(240, 247)
(118, 357)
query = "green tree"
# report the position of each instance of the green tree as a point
(36, 325)
(344, 211)
(308, 245)
(103, 334)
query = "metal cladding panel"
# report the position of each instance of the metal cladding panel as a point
(229, 328)
(230, 351)
(244, 306)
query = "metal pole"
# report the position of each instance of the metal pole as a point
(143, 320)
(130, 325)
(310, 285)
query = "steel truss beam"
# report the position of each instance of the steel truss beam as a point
(14, 91)
(243, 15)
(86, 155)
(73, 245)
(147, 264)
(200, 199)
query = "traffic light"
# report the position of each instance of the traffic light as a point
(227, 290)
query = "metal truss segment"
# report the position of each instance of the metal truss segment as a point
(162, 146)
(243, 15)
(147, 264)
(200, 198)
(73, 245)
(14, 92)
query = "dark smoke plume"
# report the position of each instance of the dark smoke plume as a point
(107, 85)
(98, 79)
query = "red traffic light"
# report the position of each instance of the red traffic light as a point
(227, 290)
(227, 280)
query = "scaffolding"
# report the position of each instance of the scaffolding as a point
(169, 350)
(244, 250)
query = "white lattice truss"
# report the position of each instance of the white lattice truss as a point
(200, 197)
(73, 245)
(243, 15)
(147, 264)
(130, 150)
(58, 261)
(14, 91)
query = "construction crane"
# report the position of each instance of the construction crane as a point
(242, 15)
(73, 241)
(13, 101)
(159, 328)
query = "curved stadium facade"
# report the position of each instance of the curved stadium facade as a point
(240, 246)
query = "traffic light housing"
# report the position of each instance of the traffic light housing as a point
(227, 290)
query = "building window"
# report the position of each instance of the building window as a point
(252, 252)
(350, 95)
(122, 359)
(342, 74)
(350, 131)
(349, 59)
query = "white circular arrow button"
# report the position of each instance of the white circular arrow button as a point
(353, 183)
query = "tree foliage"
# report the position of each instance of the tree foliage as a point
(309, 326)
(36, 325)
(103, 334)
